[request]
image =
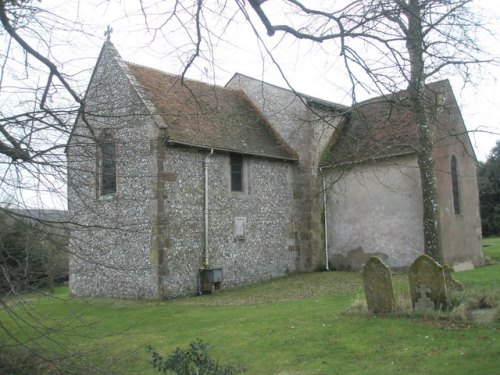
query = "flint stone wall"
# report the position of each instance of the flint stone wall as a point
(110, 239)
(114, 243)
(307, 132)
(268, 247)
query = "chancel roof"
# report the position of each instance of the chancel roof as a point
(379, 128)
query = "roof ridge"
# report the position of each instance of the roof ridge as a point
(308, 97)
(174, 75)
(384, 97)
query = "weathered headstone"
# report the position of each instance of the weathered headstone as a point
(423, 300)
(379, 292)
(452, 285)
(427, 284)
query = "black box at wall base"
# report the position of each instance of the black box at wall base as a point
(211, 279)
(212, 275)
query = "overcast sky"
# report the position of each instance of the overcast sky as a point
(231, 46)
(316, 70)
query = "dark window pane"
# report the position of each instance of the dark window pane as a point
(108, 168)
(236, 172)
(454, 185)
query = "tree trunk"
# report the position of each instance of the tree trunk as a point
(426, 162)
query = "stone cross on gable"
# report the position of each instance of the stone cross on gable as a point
(108, 32)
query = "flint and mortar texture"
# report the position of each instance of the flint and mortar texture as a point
(110, 241)
(146, 240)
(307, 129)
(265, 203)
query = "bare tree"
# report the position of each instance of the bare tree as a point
(418, 39)
(38, 104)
(386, 44)
(395, 43)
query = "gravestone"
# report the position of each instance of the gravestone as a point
(423, 301)
(427, 284)
(379, 292)
(452, 285)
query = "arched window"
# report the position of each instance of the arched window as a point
(107, 165)
(455, 185)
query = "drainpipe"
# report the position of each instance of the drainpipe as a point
(206, 162)
(325, 219)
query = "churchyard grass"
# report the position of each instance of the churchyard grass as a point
(491, 248)
(301, 324)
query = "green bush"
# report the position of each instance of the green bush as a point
(194, 360)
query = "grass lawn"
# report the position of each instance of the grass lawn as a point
(492, 248)
(302, 324)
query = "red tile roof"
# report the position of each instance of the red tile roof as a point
(378, 128)
(209, 116)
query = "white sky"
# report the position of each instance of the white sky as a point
(315, 71)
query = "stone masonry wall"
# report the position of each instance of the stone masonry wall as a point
(110, 241)
(307, 131)
(266, 205)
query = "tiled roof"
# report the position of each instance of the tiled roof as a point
(209, 116)
(378, 128)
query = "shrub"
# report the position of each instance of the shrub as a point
(194, 360)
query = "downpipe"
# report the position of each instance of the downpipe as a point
(325, 221)
(206, 163)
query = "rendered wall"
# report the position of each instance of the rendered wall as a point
(461, 233)
(375, 209)
(110, 239)
(266, 205)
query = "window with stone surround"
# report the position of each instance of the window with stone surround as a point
(236, 162)
(106, 166)
(455, 188)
